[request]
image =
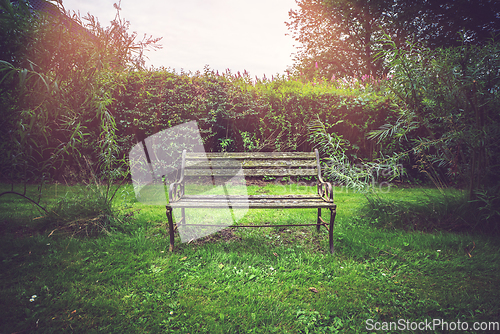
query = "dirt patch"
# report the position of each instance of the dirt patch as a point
(224, 235)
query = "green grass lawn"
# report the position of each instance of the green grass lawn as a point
(263, 280)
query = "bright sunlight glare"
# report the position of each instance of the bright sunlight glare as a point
(223, 34)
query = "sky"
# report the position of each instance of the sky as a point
(238, 35)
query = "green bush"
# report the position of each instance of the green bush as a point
(56, 81)
(269, 115)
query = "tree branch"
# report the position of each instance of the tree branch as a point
(25, 197)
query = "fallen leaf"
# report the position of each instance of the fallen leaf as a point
(183, 259)
(313, 290)
(275, 254)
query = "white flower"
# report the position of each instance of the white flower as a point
(32, 300)
(271, 268)
(438, 250)
(171, 312)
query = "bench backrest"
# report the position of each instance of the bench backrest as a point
(276, 164)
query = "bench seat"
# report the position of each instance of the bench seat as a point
(253, 202)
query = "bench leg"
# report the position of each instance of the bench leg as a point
(333, 212)
(170, 227)
(318, 222)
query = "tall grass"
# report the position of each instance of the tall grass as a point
(434, 210)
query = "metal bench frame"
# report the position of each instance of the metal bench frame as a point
(271, 164)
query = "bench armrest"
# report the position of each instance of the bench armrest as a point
(176, 190)
(325, 191)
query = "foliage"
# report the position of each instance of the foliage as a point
(56, 90)
(26, 92)
(439, 24)
(263, 115)
(339, 37)
(83, 105)
(17, 25)
(450, 117)
(87, 208)
(339, 167)
(450, 98)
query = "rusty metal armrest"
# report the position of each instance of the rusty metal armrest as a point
(176, 189)
(325, 189)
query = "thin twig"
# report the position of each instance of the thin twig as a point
(25, 197)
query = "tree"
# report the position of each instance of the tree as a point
(442, 23)
(339, 37)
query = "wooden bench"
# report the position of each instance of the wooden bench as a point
(253, 164)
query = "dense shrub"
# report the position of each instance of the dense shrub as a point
(239, 114)
(449, 119)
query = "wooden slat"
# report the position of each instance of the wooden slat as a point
(251, 197)
(252, 202)
(250, 163)
(253, 155)
(258, 205)
(252, 172)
